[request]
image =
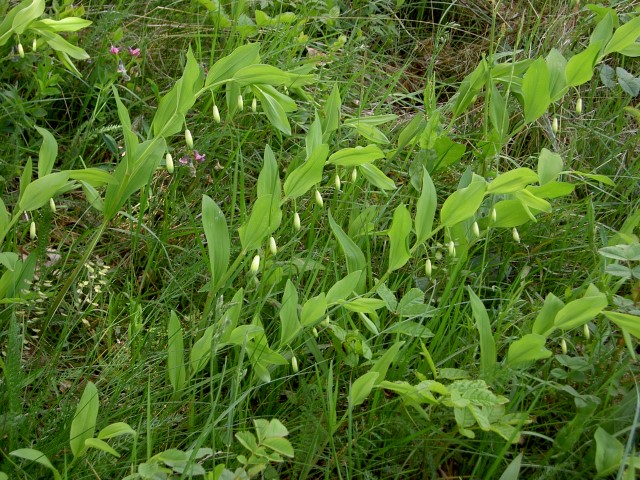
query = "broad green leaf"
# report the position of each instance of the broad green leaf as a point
(83, 424)
(69, 24)
(557, 65)
(410, 131)
(598, 178)
(273, 109)
(58, 43)
(376, 177)
(343, 288)
(201, 351)
(448, 152)
(269, 75)
(412, 304)
(361, 388)
(630, 323)
(226, 67)
(409, 328)
(25, 178)
(512, 181)
(270, 429)
(629, 84)
(632, 50)
(550, 165)
(552, 190)
(48, 152)
(462, 203)
(535, 90)
(578, 312)
(580, 67)
(289, 322)
(279, 445)
(9, 260)
(38, 457)
(257, 227)
(218, 242)
(470, 87)
(371, 120)
(248, 441)
(626, 253)
(381, 366)
(101, 445)
(231, 316)
(603, 31)
(488, 358)
(116, 430)
(532, 202)
(38, 192)
(93, 196)
(353, 157)
(543, 324)
(425, 208)
(244, 333)
(175, 354)
(313, 310)
(398, 238)
(95, 177)
(364, 305)
(498, 111)
(369, 132)
(27, 13)
(388, 296)
(6, 27)
(331, 120)
(527, 349)
(306, 175)
(356, 261)
(609, 453)
(313, 139)
(623, 37)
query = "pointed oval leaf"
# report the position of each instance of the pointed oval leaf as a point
(535, 90)
(226, 67)
(462, 203)
(101, 445)
(289, 322)
(308, 174)
(580, 67)
(83, 424)
(425, 208)
(488, 357)
(578, 312)
(313, 310)
(353, 157)
(38, 457)
(376, 177)
(218, 242)
(115, 430)
(609, 452)
(512, 181)
(343, 288)
(630, 323)
(527, 349)
(623, 37)
(398, 238)
(361, 388)
(355, 258)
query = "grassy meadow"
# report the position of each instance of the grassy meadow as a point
(319, 239)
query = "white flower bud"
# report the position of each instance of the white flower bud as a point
(32, 231)
(428, 268)
(586, 331)
(273, 248)
(494, 215)
(255, 264)
(294, 364)
(52, 205)
(326, 322)
(475, 229)
(554, 125)
(337, 182)
(314, 330)
(319, 199)
(216, 114)
(240, 103)
(452, 248)
(516, 235)
(354, 174)
(254, 105)
(563, 346)
(20, 50)
(34, 45)
(169, 163)
(188, 138)
(296, 221)
(579, 105)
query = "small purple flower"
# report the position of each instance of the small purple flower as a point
(114, 50)
(198, 157)
(134, 52)
(184, 160)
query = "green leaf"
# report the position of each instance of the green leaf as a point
(273, 109)
(488, 357)
(630, 323)
(629, 84)
(201, 351)
(498, 111)
(48, 152)
(364, 305)
(632, 50)
(552, 190)
(361, 388)
(38, 457)
(580, 67)
(258, 226)
(369, 132)
(27, 13)
(289, 322)
(356, 261)
(557, 65)
(218, 242)
(83, 424)
(381, 366)
(550, 165)
(58, 43)
(306, 175)
(528, 349)
(269, 75)
(425, 208)
(37, 193)
(175, 354)
(332, 107)
(470, 87)
(531, 202)
(313, 310)
(95, 177)
(116, 430)
(412, 304)
(448, 152)
(623, 37)
(625, 253)
(376, 177)
(535, 90)
(280, 445)
(101, 445)
(578, 312)
(398, 238)
(462, 203)
(609, 452)
(69, 24)
(512, 181)
(543, 324)
(353, 157)
(226, 67)
(313, 139)
(6, 27)
(269, 429)
(343, 288)
(603, 31)
(409, 328)
(388, 297)
(410, 132)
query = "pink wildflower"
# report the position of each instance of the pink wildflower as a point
(134, 52)
(114, 50)
(184, 160)
(199, 158)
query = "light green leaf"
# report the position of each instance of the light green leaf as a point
(306, 175)
(68, 24)
(409, 328)
(550, 165)
(609, 452)
(83, 424)
(361, 388)
(332, 107)
(462, 203)
(313, 310)
(623, 37)
(398, 238)
(273, 109)
(412, 304)
(630, 323)
(543, 324)
(289, 322)
(527, 349)
(269, 75)
(244, 333)
(38, 457)
(376, 177)
(512, 472)
(270, 429)
(580, 67)
(623, 252)
(578, 312)
(603, 31)
(356, 261)
(280, 445)
(632, 50)
(512, 181)
(552, 190)
(218, 242)
(425, 208)
(101, 445)
(353, 157)
(27, 13)
(175, 354)
(48, 152)
(470, 87)
(532, 202)
(226, 67)
(343, 288)
(498, 111)
(388, 297)
(258, 226)
(95, 177)
(201, 351)
(364, 305)
(381, 366)
(313, 139)
(37, 193)
(115, 430)
(488, 357)
(535, 90)
(557, 65)
(58, 43)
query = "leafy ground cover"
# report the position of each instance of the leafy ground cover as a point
(319, 239)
